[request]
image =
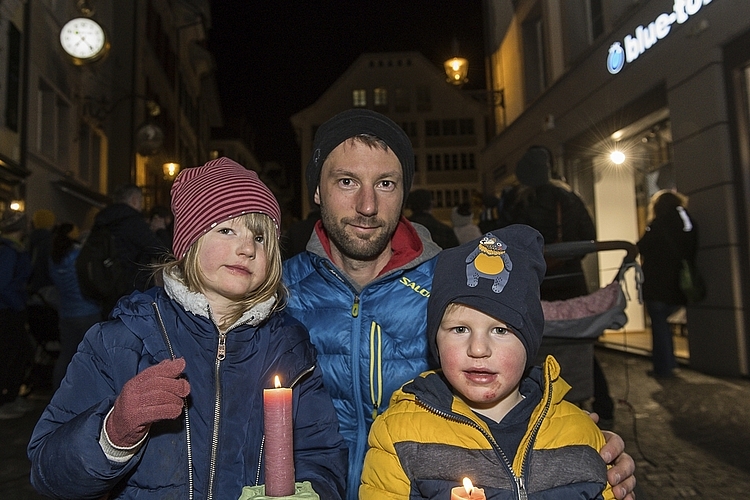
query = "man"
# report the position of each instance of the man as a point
(361, 287)
(419, 202)
(137, 246)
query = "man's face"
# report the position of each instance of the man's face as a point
(360, 196)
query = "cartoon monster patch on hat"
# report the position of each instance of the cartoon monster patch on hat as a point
(490, 261)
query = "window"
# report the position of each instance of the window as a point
(534, 63)
(54, 116)
(381, 97)
(359, 98)
(450, 127)
(432, 128)
(466, 126)
(424, 101)
(410, 128)
(89, 154)
(13, 84)
(401, 100)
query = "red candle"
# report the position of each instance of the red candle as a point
(279, 455)
(467, 492)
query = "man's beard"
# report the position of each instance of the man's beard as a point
(354, 247)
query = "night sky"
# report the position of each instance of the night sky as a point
(275, 58)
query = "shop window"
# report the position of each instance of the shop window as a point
(450, 127)
(359, 98)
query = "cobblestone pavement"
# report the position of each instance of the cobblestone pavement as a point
(689, 436)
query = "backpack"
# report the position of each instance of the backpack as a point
(99, 269)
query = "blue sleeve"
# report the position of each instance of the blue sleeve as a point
(66, 458)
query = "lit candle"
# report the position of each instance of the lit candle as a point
(279, 455)
(467, 492)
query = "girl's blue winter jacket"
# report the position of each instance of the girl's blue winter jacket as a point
(225, 408)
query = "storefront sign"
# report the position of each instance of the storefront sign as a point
(646, 37)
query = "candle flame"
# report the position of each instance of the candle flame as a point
(468, 486)
(276, 382)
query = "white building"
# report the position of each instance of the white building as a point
(447, 127)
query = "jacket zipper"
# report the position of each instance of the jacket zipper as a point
(221, 352)
(188, 440)
(521, 492)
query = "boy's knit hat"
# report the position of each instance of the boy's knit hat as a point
(353, 122)
(220, 190)
(498, 274)
(43, 219)
(534, 167)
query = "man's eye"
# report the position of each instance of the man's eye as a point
(388, 185)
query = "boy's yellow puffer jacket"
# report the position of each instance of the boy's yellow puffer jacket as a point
(429, 440)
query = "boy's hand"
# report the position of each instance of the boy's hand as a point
(620, 475)
(154, 394)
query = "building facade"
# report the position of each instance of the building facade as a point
(88, 125)
(665, 82)
(447, 127)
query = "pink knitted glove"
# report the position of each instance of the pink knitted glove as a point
(154, 394)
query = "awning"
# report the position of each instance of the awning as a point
(82, 193)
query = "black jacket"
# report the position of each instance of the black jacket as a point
(138, 246)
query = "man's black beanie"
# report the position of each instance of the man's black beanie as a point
(355, 122)
(498, 274)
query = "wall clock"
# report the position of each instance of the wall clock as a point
(84, 40)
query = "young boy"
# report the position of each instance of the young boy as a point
(484, 415)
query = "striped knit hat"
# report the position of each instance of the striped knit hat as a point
(220, 190)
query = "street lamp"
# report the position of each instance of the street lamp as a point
(170, 170)
(457, 69)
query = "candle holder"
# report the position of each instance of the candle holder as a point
(302, 491)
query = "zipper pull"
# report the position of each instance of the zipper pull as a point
(374, 411)
(221, 352)
(522, 495)
(355, 307)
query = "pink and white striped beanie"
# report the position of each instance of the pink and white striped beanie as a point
(220, 190)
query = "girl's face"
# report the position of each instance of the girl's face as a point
(233, 262)
(482, 359)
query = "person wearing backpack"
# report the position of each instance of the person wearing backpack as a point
(166, 399)
(125, 247)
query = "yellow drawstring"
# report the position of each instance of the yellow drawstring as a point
(376, 401)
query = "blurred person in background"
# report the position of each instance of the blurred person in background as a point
(670, 237)
(420, 204)
(79, 313)
(15, 345)
(463, 223)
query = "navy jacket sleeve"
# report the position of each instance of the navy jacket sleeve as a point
(320, 454)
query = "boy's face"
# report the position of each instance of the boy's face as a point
(482, 359)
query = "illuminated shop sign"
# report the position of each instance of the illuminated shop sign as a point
(646, 37)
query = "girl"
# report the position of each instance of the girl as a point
(165, 400)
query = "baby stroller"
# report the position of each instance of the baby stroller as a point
(572, 326)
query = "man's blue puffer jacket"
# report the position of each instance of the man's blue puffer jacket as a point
(370, 341)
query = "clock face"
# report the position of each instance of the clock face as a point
(83, 39)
